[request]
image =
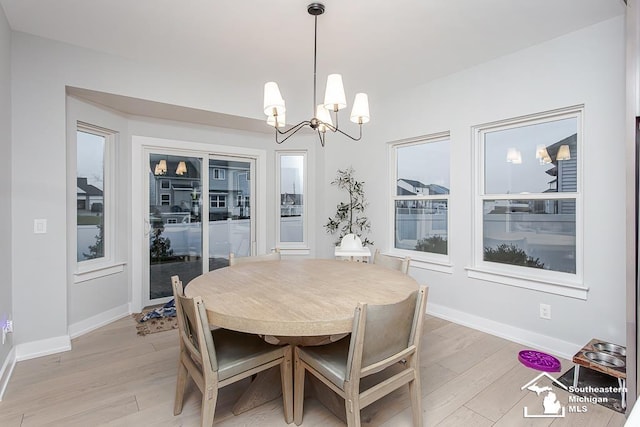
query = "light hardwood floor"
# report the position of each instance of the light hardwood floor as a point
(114, 377)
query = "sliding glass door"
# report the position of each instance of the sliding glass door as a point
(195, 210)
(230, 209)
(175, 221)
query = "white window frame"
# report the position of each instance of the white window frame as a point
(419, 259)
(553, 282)
(217, 198)
(93, 268)
(219, 174)
(293, 248)
(162, 200)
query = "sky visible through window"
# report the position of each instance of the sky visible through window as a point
(427, 163)
(291, 174)
(90, 157)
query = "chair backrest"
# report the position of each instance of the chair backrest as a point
(392, 262)
(273, 256)
(385, 334)
(195, 338)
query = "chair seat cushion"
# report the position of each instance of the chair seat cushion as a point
(238, 352)
(330, 360)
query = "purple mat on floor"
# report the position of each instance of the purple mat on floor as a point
(539, 361)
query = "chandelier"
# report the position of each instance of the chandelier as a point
(334, 100)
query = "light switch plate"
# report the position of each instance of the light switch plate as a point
(39, 226)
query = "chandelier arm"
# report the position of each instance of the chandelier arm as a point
(290, 132)
(333, 128)
(349, 136)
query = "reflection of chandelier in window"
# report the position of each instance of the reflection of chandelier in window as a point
(182, 168)
(563, 153)
(161, 168)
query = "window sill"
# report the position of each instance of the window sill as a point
(440, 266)
(567, 289)
(96, 272)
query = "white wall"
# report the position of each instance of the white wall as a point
(5, 176)
(585, 67)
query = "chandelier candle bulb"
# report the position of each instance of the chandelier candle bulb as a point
(280, 119)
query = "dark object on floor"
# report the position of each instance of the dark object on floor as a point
(589, 377)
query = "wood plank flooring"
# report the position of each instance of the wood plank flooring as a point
(113, 377)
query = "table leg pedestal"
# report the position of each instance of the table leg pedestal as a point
(264, 388)
(576, 373)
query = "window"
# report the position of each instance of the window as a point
(528, 196)
(218, 174)
(94, 207)
(165, 199)
(218, 200)
(291, 179)
(243, 201)
(165, 184)
(420, 191)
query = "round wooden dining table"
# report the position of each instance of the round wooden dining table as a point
(299, 302)
(296, 298)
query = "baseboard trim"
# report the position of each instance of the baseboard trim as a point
(99, 320)
(33, 349)
(527, 338)
(7, 370)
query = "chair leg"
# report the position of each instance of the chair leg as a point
(181, 384)
(416, 400)
(352, 406)
(298, 393)
(286, 377)
(209, 400)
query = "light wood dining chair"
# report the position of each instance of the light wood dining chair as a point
(392, 262)
(382, 336)
(273, 256)
(214, 359)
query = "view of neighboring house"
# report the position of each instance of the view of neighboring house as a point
(175, 194)
(90, 197)
(410, 187)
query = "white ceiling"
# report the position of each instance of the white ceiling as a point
(376, 45)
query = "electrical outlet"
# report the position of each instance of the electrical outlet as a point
(545, 311)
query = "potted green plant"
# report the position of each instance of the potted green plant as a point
(349, 217)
